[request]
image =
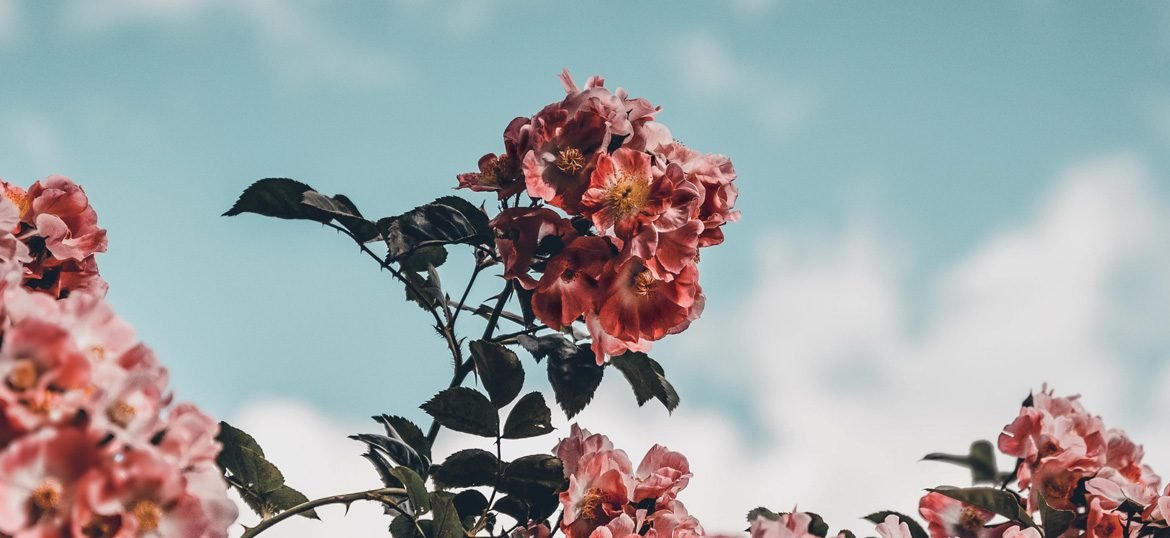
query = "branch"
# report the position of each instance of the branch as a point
(378, 495)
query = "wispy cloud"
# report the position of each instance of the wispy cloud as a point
(295, 36)
(848, 392)
(705, 66)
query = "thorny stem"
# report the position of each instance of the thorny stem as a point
(445, 329)
(467, 290)
(381, 495)
(465, 367)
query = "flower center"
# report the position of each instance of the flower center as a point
(593, 505)
(969, 521)
(570, 160)
(568, 275)
(47, 496)
(19, 197)
(627, 194)
(645, 283)
(98, 352)
(102, 527)
(121, 413)
(147, 514)
(23, 375)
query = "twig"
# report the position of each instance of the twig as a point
(379, 495)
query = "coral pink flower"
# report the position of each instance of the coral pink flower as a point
(606, 345)
(38, 480)
(599, 490)
(1159, 510)
(623, 526)
(206, 482)
(568, 286)
(893, 527)
(128, 408)
(146, 495)
(673, 521)
(1015, 532)
(949, 517)
(60, 210)
(564, 152)
(636, 305)
(189, 440)
(661, 475)
(578, 444)
(1054, 428)
(522, 233)
(627, 194)
(793, 525)
(502, 173)
(11, 248)
(1103, 523)
(38, 363)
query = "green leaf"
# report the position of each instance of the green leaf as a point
(422, 259)
(529, 418)
(416, 489)
(998, 501)
(759, 512)
(499, 369)
(646, 378)
(528, 475)
(341, 209)
(470, 504)
(1055, 521)
(449, 219)
(403, 527)
(244, 459)
(285, 497)
(464, 410)
(818, 527)
(980, 460)
(916, 530)
(573, 371)
(468, 468)
(277, 197)
(412, 436)
(846, 533)
(446, 519)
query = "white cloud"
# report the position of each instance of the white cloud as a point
(707, 68)
(849, 393)
(293, 35)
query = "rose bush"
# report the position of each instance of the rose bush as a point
(598, 223)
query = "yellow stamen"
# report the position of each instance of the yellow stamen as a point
(147, 514)
(23, 375)
(121, 413)
(627, 194)
(570, 160)
(644, 283)
(47, 496)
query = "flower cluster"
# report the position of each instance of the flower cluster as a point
(800, 525)
(88, 446)
(1068, 460)
(637, 207)
(608, 498)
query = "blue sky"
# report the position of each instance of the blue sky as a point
(913, 175)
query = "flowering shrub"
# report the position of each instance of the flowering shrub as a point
(599, 219)
(89, 443)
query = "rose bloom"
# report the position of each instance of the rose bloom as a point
(661, 475)
(141, 495)
(1054, 428)
(1015, 532)
(792, 525)
(893, 527)
(523, 233)
(598, 492)
(673, 521)
(949, 517)
(568, 287)
(40, 475)
(578, 444)
(636, 305)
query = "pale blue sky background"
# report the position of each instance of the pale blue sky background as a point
(914, 139)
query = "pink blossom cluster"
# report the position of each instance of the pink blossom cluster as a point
(799, 525)
(1069, 460)
(89, 443)
(637, 207)
(608, 497)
